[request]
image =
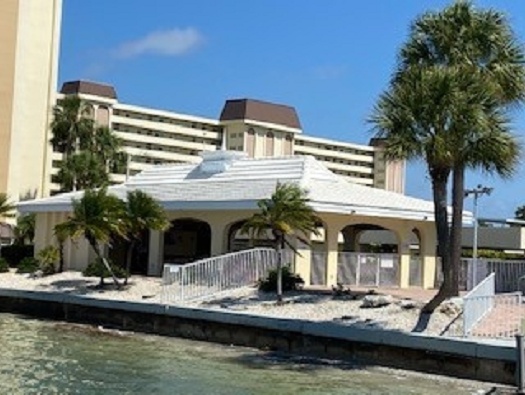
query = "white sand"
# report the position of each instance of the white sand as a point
(314, 306)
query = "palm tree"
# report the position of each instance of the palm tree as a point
(72, 125)
(25, 228)
(6, 207)
(413, 116)
(142, 213)
(285, 215)
(481, 47)
(97, 216)
(61, 237)
(82, 170)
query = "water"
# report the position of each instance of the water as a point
(38, 357)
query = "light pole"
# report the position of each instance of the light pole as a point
(477, 192)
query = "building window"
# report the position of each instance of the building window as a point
(287, 149)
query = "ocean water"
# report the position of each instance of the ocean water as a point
(41, 357)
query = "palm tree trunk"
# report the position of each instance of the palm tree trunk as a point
(280, 246)
(129, 257)
(61, 252)
(439, 190)
(96, 248)
(458, 196)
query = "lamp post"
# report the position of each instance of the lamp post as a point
(477, 192)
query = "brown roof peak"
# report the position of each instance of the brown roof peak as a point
(258, 110)
(88, 88)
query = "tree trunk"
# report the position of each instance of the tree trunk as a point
(129, 257)
(458, 196)
(280, 246)
(96, 248)
(439, 190)
(61, 252)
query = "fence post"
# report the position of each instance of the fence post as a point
(520, 364)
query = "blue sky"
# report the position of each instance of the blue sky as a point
(330, 60)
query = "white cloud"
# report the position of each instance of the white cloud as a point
(173, 42)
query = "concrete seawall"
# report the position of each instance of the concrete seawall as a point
(494, 361)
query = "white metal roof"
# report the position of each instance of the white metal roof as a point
(226, 180)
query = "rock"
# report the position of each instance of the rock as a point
(375, 301)
(37, 274)
(451, 307)
(407, 304)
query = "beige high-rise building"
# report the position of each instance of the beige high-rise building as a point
(29, 37)
(259, 128)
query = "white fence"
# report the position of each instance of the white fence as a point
(478, 303)
(211, 276)
(362, 269)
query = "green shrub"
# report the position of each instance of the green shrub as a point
(98, 269)
(48, 258)
(4, 266)
(28, 265)
(14, 254)
(291, 281)
(490, 254)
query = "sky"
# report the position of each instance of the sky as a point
(328, 59)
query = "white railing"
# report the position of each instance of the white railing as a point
(478, 303)
(211, 276)
(504, 318)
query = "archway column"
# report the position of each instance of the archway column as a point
(428, 254)
(332, 253)
(155, 253)
(303, 261)
(404, 235)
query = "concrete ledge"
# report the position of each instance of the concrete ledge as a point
(490, 361)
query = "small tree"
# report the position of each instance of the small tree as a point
(48, 257)
(285, 215)
(25, 229)
(61, 237)
(142, 213)
(96, 216)
(520, 213)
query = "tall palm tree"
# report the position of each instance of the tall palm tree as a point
(477, 53)
(142, 213)
(97, 216)
(285, 215)
(413, 116)
(82, 170)
(6, 207)
(480, 45)
(72, 125)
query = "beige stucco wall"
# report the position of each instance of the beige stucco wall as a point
(78, 254)
(28, 73)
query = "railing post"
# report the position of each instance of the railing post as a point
(520, 364)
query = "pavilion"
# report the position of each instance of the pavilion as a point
(208, 202)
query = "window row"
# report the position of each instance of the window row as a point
(168, 120)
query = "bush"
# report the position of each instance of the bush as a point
(48, 258)
(98, 269)
(291, 281)
(28, 265)
(4, 266)
(14, 254)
